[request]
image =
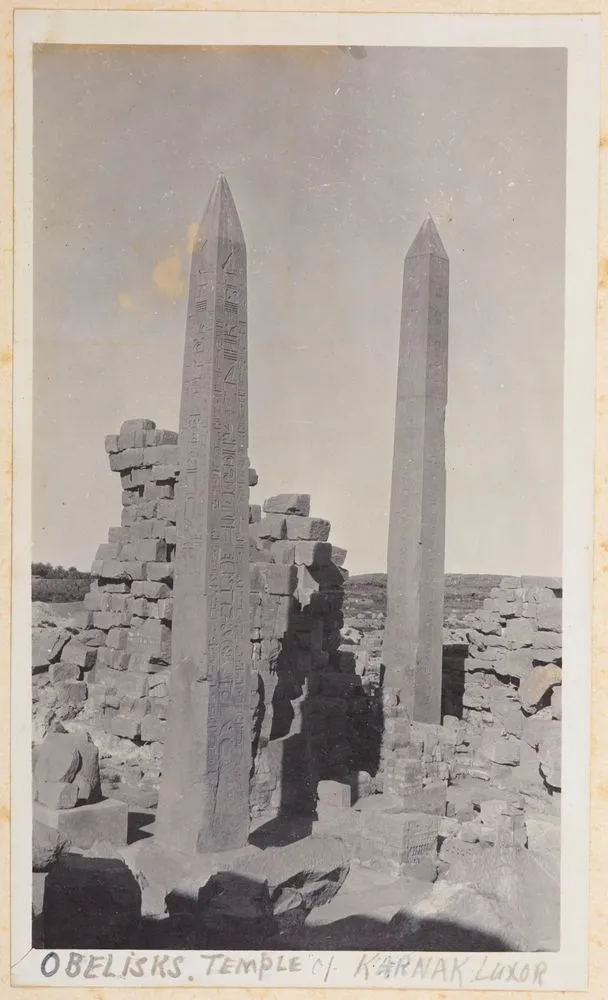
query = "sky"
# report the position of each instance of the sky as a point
(334, 161)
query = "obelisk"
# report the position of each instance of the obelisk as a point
(204, 796)
(413, 644)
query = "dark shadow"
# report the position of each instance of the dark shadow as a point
(136, 824)
(284, 829)
(453, 679)
(90, 903)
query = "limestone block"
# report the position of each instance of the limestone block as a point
(71, 692)
(153, 729)
(63, 672)
(162, 473)
(47, 646)
(503, 750)
(137, 424)
(108, 550)
(114, 569)
(76, 652)
(118, 535)
(152, 638)
(161, 454)
(126, 726)
(283, 551)
(515, 663)
(57, 759)
(159, 572)
(167, 510)
(117, 638)
(520, 631)
(535, 685)
(255, 513)
(130, 458)
(162, 437)
(288, 503)
(307, 528)
(403, 838)
(547, 656)
(556, 702)
(338, 556)
(158, 491)
(549, 752)
(47, 846)
(57, 794)
(111, 444)
(334, 793)
(152, 590)
(431, 800)
(549, 616)
(271, 526)
(313, 553)
(548, 640)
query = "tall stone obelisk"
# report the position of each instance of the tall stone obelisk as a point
(204, 797)
(413, 644)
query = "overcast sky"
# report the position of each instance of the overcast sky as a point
(334, 162)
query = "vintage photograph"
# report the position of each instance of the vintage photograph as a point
(297, 497)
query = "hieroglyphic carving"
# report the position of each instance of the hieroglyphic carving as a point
(204, 801)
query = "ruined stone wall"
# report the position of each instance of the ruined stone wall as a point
(115, 671)
(512, 686)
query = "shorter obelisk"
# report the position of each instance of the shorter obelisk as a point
(413, 644)
(204, 797)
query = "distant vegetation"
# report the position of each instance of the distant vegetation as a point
(57, 585)
(464, 592)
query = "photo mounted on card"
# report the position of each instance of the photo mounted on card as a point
(304, 360)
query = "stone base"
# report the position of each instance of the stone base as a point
(84, 825)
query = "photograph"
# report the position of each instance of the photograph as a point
(299, 532)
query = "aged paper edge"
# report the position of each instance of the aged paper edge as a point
(599, 782)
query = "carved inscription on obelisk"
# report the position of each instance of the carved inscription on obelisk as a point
(413, 644)
(204, 800)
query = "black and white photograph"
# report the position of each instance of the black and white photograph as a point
(307, 509)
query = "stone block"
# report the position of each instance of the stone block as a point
(108, 551)
(137, 424)
(114, 569)
(47, 647)
(152, 590)
(255, 513)
(152, 638)
(283, 552)
(549, 616)
(307, 528)
(403, 838)
(161, 454)
(288, 503)
(71, 692)
(546, 656)
(125, 726)
(111, 444)
(153, 729)
(431, 800)
(556, 702)
(534, 730)
(56, 794)
(117, 638)
(76, 652)
(537, 684)
(63, 672)
(47, 846)
(338, 556)
(334, 793)
(503, 750)
(550, 755)
(159, 572)
(520, 631)
(90, 903)
(124, 461)
(515, 663)
(272, 526)
(313, 553)
(118, 535)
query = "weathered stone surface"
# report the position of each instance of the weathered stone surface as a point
(288, 503)
(313, 553)
(334, 793)
(48, 845)
(105, 820)
(57, 759)
(550, 754)
(204, 798)
(556, 702)
(412, 651)
(56, 794)
(307, 528)
(501, 751)
(314, 866)
(536, 685)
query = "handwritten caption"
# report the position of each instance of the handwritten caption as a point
(456, 971)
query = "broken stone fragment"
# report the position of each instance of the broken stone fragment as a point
(537, 684)
(47, 846)
(288, 503)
